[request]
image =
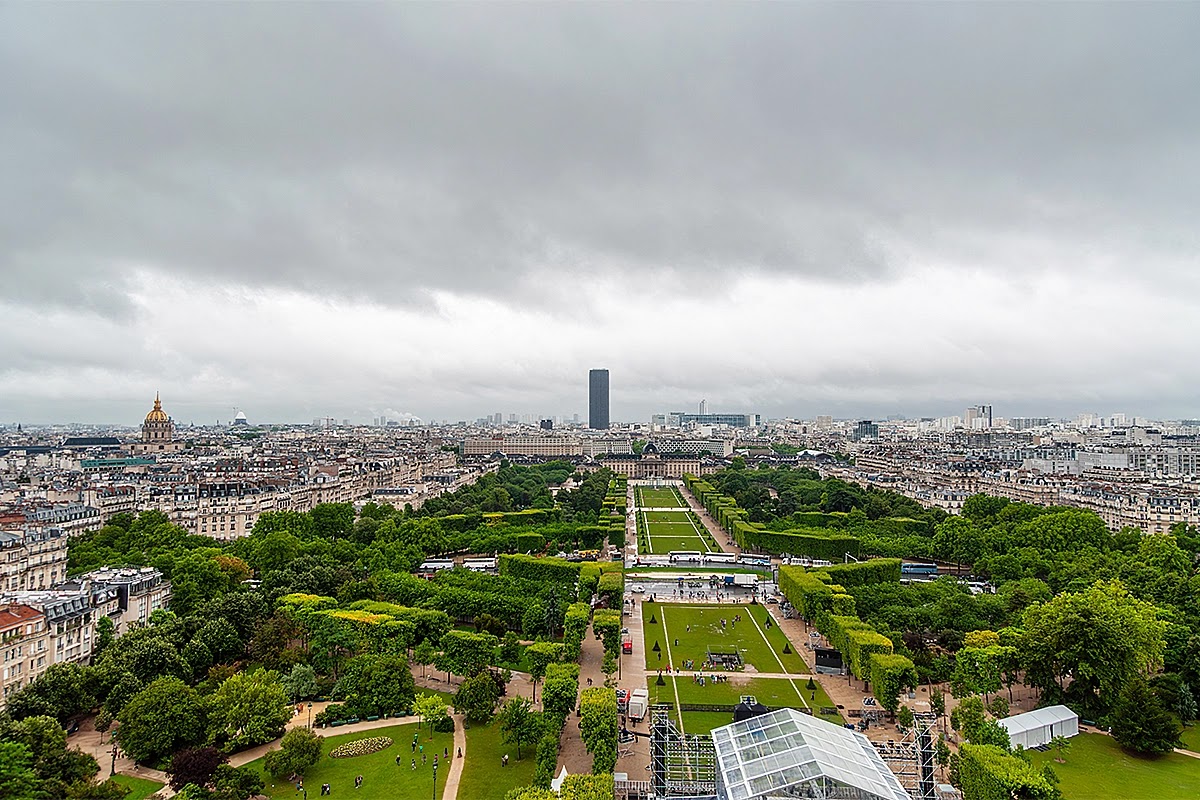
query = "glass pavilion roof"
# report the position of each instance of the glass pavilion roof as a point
(785, 752)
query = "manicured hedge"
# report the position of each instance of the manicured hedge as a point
(861, 573)
(575, 628)
(611, 588)
(598, 727)
(891, 674)
(808, 591)
(555, 570)
(606, 624)
(988, 772)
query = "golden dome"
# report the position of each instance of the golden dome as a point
(157, 414)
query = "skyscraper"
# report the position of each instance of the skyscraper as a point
(598, 398)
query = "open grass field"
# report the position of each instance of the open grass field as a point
(383, 779)
(137, 788)
(761, 647)
(658, 498)
(483, 777)
(1191, 737)
(673, 530)
(773, 692)
(1097, 768)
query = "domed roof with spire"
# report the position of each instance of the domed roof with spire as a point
(157, 414)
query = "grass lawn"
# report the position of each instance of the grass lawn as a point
(483, 777)
(699, 723)
(773, 692)
(382, 778)
(673, 530)
(764, 654)
(1191, 737)
(137, 788)
(1097, 768)
(658, 498)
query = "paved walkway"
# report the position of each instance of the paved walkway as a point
(572, 753)
(450, 792)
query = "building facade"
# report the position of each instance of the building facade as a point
(598, 388)
(24, 648)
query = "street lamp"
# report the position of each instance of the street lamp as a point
(434, 781)
(310, 715)
(112, 769)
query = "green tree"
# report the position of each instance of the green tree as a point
(541, 655)
(62, 691)
(301, 682)
(374, 685)
(518, 723)
(424, 654)
(465, 653)
(430, 708)
(299, 750)
(165, 716)
(104, 790)
(1060, 745)
(510, 648)
(221, 638)
(970, 718)
(598, 727)
(1100, 639)
(17, 778)
(57, 767)
(937, 703)
(1141, 724)
(477, 696)
(249, 708)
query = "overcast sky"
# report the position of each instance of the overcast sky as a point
(446, 211)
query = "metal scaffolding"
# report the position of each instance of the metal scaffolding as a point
(913, 758)
(680, 765)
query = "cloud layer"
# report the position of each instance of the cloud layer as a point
(310, 210)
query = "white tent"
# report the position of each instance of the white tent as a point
(1036, 728)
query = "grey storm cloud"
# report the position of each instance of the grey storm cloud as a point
(396, 153)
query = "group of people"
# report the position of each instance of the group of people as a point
(701, 678)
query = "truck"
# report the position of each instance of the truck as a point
(639, 703)
(626, 644)
(745, 580)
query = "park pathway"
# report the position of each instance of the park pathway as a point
(450, 792)
(573, 754)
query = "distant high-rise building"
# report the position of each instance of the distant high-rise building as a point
(703, 407)
(547, 424)
(598, 399)
(866, 429)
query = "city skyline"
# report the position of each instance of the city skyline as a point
(437, 211)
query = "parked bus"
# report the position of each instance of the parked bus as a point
(913, 569)
(482, 564)
(686, 557)
(721, 558)
(755, 561)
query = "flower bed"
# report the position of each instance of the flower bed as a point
(361, 747)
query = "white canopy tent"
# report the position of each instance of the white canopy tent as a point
(1036, 728)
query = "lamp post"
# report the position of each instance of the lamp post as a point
(112, 769)
(435, 780)
(310, 715)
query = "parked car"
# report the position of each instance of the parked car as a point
(870, 701)
(773, 601)
(638, 588)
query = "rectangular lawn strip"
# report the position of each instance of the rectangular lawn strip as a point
(662, 545)
(1097, 768)
(137, 788)
(482, 776)
(771, 692)
(658, 498)
(383, 779)
(706, 631)
(792, 661)
(701, 723)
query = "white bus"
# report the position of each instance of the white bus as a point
(721, 558)
(482, 564)
(686, 557)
